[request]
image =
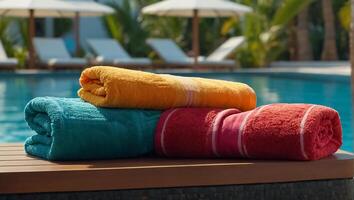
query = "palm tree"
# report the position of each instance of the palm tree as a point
(352, 50)
(5, 36)
(329, 51)
(125, 25)
(266, 30)
(304, 47)
(344, 16)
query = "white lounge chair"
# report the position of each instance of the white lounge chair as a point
(109, 51)
(6, 62)
(53, 53)
(172, 54)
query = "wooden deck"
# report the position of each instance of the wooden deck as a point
(20, 173)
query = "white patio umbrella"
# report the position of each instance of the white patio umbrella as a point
(196, 9)
(50, 8)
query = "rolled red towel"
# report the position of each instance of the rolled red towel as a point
(276, 131)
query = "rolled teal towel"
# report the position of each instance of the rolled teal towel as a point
(71, 129)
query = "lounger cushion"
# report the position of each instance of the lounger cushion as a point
(68, 61)
(128, 61)
(203, 61)
(108, 48)
(172, 54)
(48, 48)
(226, 48)
(168, 50)
(53, 52)
(8, 61)
(109, 51)
(3, 55)
(218, 63)
(4, 60)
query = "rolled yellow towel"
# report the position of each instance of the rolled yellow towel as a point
(123, 88)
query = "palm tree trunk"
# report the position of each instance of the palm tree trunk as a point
(329, 51)
(292, 43)
(352, 51)
(304, 48)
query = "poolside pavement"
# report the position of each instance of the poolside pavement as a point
(341, 68)
(337, 68)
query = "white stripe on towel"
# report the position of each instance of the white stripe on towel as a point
(242, 127)
(162, 139)
(215, 126)
(241, 148)
(302, 131)
(189, 85)
(261, 109)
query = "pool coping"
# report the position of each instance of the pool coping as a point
(274, 72)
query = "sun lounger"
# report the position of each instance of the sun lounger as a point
(6, 62)
(172, 54)
(110, 52)
(155, 178)
(53, 53)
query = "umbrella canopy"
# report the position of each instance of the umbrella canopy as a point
(90, 8)
(196, 9)
(206, 8)
(51, 8)
(43, 8)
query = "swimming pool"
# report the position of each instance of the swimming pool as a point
(16, 90)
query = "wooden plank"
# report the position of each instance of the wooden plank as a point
(105, 164)
(11, 145)
(20, 173)
(33, 175)
(27, 160)
(44, 166)
(173, 176)
(12, 153)
(19, 157)
(11, 148)
(144, 163)
(32, 162)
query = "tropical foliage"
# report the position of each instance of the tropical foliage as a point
(126, 26)
(62, 26)
(270, 30)
(266, 30)
(131, 29)
(13, 35)
(275, 30)
(4, 36)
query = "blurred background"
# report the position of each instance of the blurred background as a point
(275, 30)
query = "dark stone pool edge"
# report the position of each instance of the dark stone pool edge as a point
(339, 189)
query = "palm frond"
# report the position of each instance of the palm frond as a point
(288, 10)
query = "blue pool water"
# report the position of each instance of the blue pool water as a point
(17, 90)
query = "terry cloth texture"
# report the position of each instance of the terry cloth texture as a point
(276, 131)
(123, 88)
(71, 129)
